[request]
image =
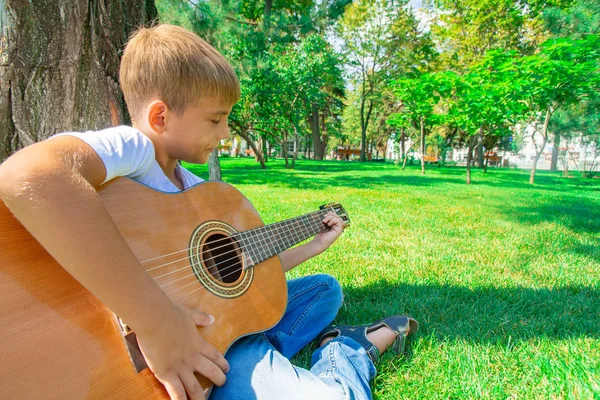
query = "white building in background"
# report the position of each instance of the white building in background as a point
(239, 147)
(579, 156)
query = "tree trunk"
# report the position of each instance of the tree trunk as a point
(214, 167)
(534, 166)
(422, 146)
(566, 168)
(555, 150)
(480, 149)
(402, 145)
(469, 160)
(254, 147)
(364, 124)
(284, 150)
(314, 127)
(324, 137)
(296, 146)
(541, 148)
(60, 65)
(263, 147)
(268, 6)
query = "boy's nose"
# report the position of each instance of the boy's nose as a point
(224, 133)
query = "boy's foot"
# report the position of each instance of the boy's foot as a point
(377, 337)
(382, 338)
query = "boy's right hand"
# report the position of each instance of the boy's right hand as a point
(175, 350)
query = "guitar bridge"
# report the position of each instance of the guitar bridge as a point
(131, 343)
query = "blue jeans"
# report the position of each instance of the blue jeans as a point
(260, 365)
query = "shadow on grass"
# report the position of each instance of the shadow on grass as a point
(322, 180)
(484, 315)
(576, 213)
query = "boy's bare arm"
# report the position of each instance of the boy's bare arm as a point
(49, 187)
(293, 257)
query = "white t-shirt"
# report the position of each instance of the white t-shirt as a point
(127, 152)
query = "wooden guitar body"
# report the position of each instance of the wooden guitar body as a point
(58, 341)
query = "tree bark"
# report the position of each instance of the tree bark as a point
(324, 137)
(422, 146)
(267, 13)
(284, 150)
(473, 143)
(296, 146)
(406, 157)
(540, 150)
(364, 124)
(480, 149)
(257, 152)
(316, 134)
(404, 163)
(485, 164)
(469, 160)
(263, 148)
(402, 145)
(59, 66)
(555, 150)
(214, 167)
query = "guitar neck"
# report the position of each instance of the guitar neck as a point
(264, 242)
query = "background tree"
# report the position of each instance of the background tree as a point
(465, 30)
(580, 124)
(364, 29)
(291, 76)
(418, 97)
(565, 72)
(482, 100)
(59, 66)
(575, 22)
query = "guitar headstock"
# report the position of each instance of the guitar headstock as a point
(339, 210)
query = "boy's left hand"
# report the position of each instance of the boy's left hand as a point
(326, 238)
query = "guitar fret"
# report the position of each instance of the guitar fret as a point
(266, 241)
(280, 238)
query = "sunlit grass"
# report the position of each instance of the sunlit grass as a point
(504, 277)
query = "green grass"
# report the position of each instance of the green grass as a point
(504, 277)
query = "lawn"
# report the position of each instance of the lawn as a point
(504, 277)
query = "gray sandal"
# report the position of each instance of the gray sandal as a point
(401, 325)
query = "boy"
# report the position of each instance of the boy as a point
(179, 92)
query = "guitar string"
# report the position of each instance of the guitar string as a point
(264, 226)
(202, 287)
(290, 221)
(309, 233)
(255, 243)
(300, 238)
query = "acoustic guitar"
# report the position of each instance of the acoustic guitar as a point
(206, 247)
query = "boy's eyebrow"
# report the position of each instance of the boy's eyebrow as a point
(221, 112)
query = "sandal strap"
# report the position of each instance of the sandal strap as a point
(403, 326)
(399, 324)
(357, 333)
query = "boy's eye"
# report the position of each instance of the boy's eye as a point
(215, 122)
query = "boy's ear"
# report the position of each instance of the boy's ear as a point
(157, 116)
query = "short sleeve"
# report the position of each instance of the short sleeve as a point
(124, 150)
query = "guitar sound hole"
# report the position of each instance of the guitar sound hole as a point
(222, 258)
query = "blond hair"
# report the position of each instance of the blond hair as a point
(176, 66)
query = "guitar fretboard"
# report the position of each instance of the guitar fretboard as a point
(262, 243)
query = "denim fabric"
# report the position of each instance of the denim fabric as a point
(260, 366)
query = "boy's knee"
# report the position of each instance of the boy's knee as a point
(334, 292)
